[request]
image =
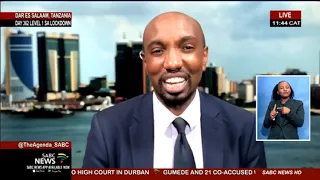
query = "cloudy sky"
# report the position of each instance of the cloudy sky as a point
(237, 33)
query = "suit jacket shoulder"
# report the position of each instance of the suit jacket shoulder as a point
(110, 134)
(119, 115)
(232, 114)
(272, 103)
(234, 129)
(297, 102)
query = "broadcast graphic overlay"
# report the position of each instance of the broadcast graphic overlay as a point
(36, 160)
(192, 174)
(35, 19)
(285, 18)
(293, 125)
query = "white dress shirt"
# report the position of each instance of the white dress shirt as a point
(165, 133)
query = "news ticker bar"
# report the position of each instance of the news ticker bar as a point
(36, 19)
(185, 174)
(285, 18)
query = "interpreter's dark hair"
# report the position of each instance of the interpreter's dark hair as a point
(276, 96)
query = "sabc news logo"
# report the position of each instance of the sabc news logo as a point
(62, 157)
(50, 158)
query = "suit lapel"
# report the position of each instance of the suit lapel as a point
(142, 133)
(212, 129)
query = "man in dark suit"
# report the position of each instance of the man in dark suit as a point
(176, 126)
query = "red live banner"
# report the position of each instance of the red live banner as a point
(185, 174)
(285, 18)
(285, 15)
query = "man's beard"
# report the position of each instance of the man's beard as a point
(175, 100)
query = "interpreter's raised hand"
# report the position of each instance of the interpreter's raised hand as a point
(273, 113)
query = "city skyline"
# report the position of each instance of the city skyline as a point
(250, 38)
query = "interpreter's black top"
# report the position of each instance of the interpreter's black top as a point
(285, 125)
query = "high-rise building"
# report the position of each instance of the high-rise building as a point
(48, 64)
(70, 64)
(18, 65)
(315, 96)
(221, 80)
(315, 79)
(254, 83)
(58, 63)
(209, 80)
(312, 79)
(227, 86)
(131, 77)
(137, 72)
(245, 91)
(123, 55)
(233, 87)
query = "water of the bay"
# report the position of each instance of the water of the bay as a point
(75, 128)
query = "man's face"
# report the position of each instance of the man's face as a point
(175, 57)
